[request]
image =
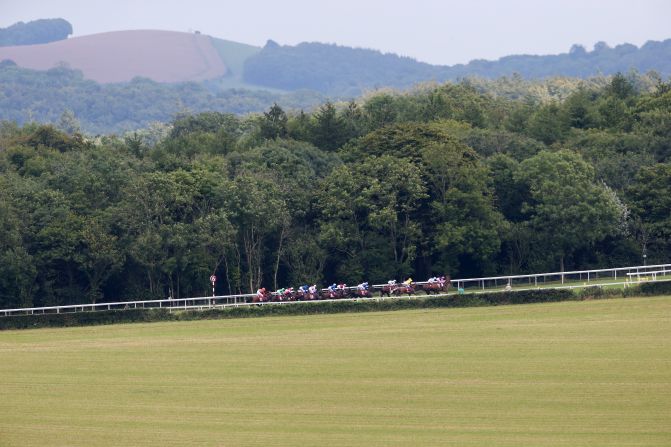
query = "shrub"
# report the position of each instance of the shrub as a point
(655, 288)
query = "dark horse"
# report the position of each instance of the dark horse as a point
(440, 286)
(263, 298)
(333, 295)
(397, 289)
(301, 295)
(361, 293)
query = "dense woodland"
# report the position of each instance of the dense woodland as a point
(49, 96)
(446, 179)
(42, 96)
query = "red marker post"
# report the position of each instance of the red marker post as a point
(213, 279)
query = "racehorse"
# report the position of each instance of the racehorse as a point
(264, 298)
(361, 293)
(288, 295)
(302, 295)
(397, 289)
(327, 294)
(388, 289)
(408, 289)
(439, 286)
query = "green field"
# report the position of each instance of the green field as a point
(595, 373)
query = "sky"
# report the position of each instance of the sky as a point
(439, 32)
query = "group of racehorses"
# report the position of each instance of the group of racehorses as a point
(429, 287)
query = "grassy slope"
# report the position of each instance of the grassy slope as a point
(234, 55)
(563, 374)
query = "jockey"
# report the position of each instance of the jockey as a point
(433, 279)
(332, 287)
(391, 282)
(312, 289)
(288, 291)
(363, 286)
(441, 280)
(304, 288)
(280, 292)
(261, 292)
(342, 286)
(408, 281)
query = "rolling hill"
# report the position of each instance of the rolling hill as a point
(120, 56)
(123, 80)
(337, 71)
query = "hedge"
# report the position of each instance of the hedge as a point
(321, 307)
(655, 288)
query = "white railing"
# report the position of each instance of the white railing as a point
(203, 302)
(586, 277)
(557, 280)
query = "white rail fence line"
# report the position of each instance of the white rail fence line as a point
(587, 276)
(641, 273)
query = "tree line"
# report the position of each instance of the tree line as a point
(343, 71)
(44, 96)
(445, 179)
(35, 32)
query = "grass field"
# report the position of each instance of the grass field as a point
(595, 373)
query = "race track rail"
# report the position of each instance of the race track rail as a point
(224, 301)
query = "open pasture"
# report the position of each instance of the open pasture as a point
(562, 374)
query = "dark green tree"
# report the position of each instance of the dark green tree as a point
(328, 128)
(650, 198)
(368, 217)
(566, 206)
(35, 32)
(274, 123)
(466, 225)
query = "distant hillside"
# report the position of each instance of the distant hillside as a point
(337, 70)
(164, 56)
(578, 62)
(334, 69)
(234, 55)
(118, 81)
(35, 32)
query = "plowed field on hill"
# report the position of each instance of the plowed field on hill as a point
(164, 56)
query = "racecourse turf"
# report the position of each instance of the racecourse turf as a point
(594, 373)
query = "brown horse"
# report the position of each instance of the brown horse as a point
(263, 298)
(437, 287)
(302, 295)
(309, 296)
(388, 289)
(361, 293)
(333, 295)
(397, 289)
(286, 296)
(407, 289)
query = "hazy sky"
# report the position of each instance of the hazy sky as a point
(439, 32)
